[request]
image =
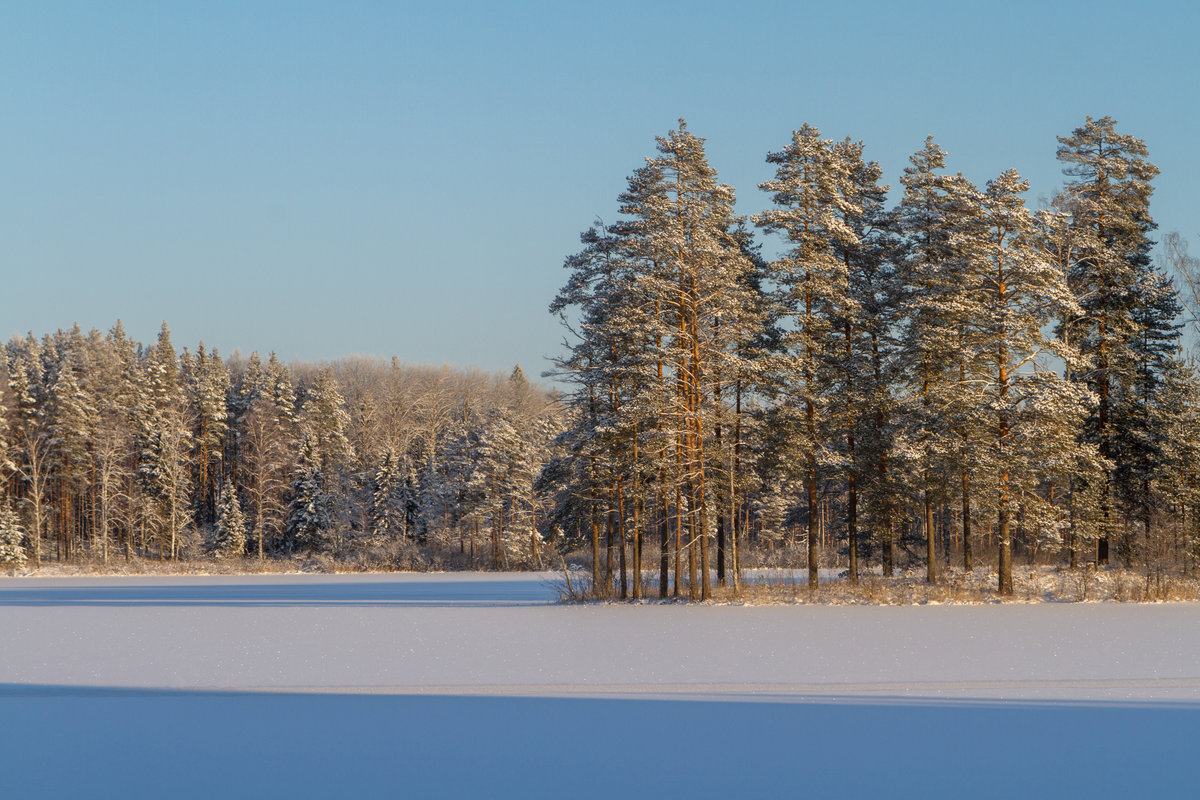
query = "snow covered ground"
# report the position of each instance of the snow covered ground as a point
(479, 685)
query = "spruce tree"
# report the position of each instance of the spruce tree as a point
(12, 537)
(386, 515)
(310, 524)
(323, 415)
(164, 443)
(1139, 454)
(230, 539)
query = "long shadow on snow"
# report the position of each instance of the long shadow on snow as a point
(144, 743)
(463, 594)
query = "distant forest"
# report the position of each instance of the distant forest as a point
(951, 381)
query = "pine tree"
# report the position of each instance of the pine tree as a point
(1029, 417)
(860, 363)
(662, 301)
(604, 365)
(230, 539)
(812, 185)
(936, 286)
(1109, 203)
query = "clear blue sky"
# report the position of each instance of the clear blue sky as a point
(324, 179)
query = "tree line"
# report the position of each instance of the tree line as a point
(955, 375)
(113, 449)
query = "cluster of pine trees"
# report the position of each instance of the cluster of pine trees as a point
(946, 379)
(109, 448)
(954, 374)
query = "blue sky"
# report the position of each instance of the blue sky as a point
(326, 179)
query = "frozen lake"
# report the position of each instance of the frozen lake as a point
(478, 684)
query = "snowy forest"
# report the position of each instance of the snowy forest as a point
(946, 382)
(113, 449)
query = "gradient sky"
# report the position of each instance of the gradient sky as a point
(326, 179)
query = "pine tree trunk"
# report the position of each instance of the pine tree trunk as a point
(889, 551)
(609, 544)
(1102, 547)
(852, 523)
(813, 511)
(966, 521)
(718, 402)
(1004, 567)
(638, 515)
(678, 536)
(734, 476)
(664, 537)
(693, 576)
(720, 546)
(931, 570)
(621, 534)
(595, 551)
(638, 507)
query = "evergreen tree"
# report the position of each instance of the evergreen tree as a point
(936, 286)
(69, 416)
(230, 539)
(1139, 454)
(208, 391)
(1028, 416)
(311, 521)
(266, 444)
(282, 392)
(861, 362)
(386, 503)
(7, 464)
(117, 400)
(1178, 481)
(323, 415)
(812, 184)
(164, 442)
(1108, 199)
(12, 537)
(663, 304)
(32, 436)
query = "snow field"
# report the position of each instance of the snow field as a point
(472, 685)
